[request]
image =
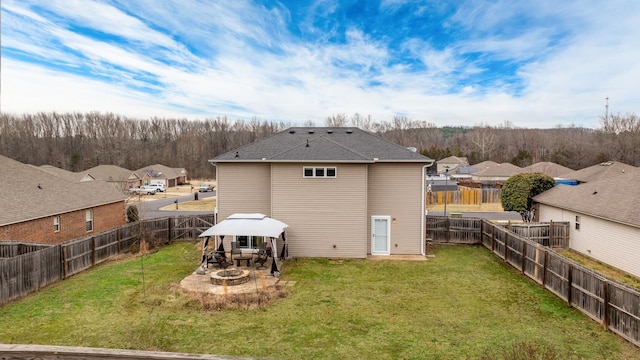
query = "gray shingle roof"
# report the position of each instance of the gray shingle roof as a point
(158, 171)
(599, 171)
(497, 170)
(615, 198)
(66, 174)
(32, 193)
(548, 168)
(111, 173)
(322, 144)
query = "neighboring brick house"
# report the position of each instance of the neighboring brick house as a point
(39, 207)
(343, 192)
(160, 174)
(604, 214)
(120, 178)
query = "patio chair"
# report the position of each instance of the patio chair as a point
(222, 261)
(262, 257)
(235, 250)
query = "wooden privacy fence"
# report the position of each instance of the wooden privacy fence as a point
(464, 196)
(614, 305)
(553, 234)
(25, 267)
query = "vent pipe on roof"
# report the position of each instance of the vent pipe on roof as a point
(292, 131)
(311, 131)
(307, 143)
(329, 131)
(349, 131)
(237, 155)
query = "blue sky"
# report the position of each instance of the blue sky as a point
(535, 64)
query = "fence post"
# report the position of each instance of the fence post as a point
(524, 256)
(551, 234)
(493, 238)
(63, 254)
(506, 240)
(569, 282)
(545, 258)
(93, 251)
(605, 303)
(448, 229)
(170, 226)
(118, 239)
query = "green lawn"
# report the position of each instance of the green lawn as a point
(464, 303)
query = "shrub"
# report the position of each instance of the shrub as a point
(132, 214)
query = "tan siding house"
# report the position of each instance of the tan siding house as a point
(604, 216)
(338, 189)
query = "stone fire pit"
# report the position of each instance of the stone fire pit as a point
(230, 276)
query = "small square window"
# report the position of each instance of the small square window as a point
(308, 172)
(331, 172)
(319, 172)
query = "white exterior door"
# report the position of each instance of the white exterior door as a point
(380, 235)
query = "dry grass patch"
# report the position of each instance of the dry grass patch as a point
(602, 268)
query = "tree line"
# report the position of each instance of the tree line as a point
(78, 141)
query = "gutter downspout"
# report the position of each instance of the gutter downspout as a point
(422, 211)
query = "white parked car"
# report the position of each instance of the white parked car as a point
(205, 187)
(149, 190)
(158, 187)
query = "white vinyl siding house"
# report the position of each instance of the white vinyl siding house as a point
(605, 224)
(609, 242)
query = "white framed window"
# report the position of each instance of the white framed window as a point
(88, 220)
(56, 223)
(319, 172)
(577, 222)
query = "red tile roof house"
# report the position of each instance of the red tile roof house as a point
(42, 208)
(345, 193)
(605, 217)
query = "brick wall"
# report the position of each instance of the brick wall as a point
(72, 225)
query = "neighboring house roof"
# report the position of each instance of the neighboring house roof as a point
(614, 198)
(33, 193)
(158, 171)
(112, 173)
(485, 164)
(599, 171)
(322, 144)
(548, 168)
(454, 160)
(498, 170)
(66, 174)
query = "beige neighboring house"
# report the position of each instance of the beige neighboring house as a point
(450, 163)
(44, 208)
(604, 215)
(600, 171)
(66, 174)
(120, 178)
(493, 175)
(161, 174)
(548, 168)
(345, 193)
